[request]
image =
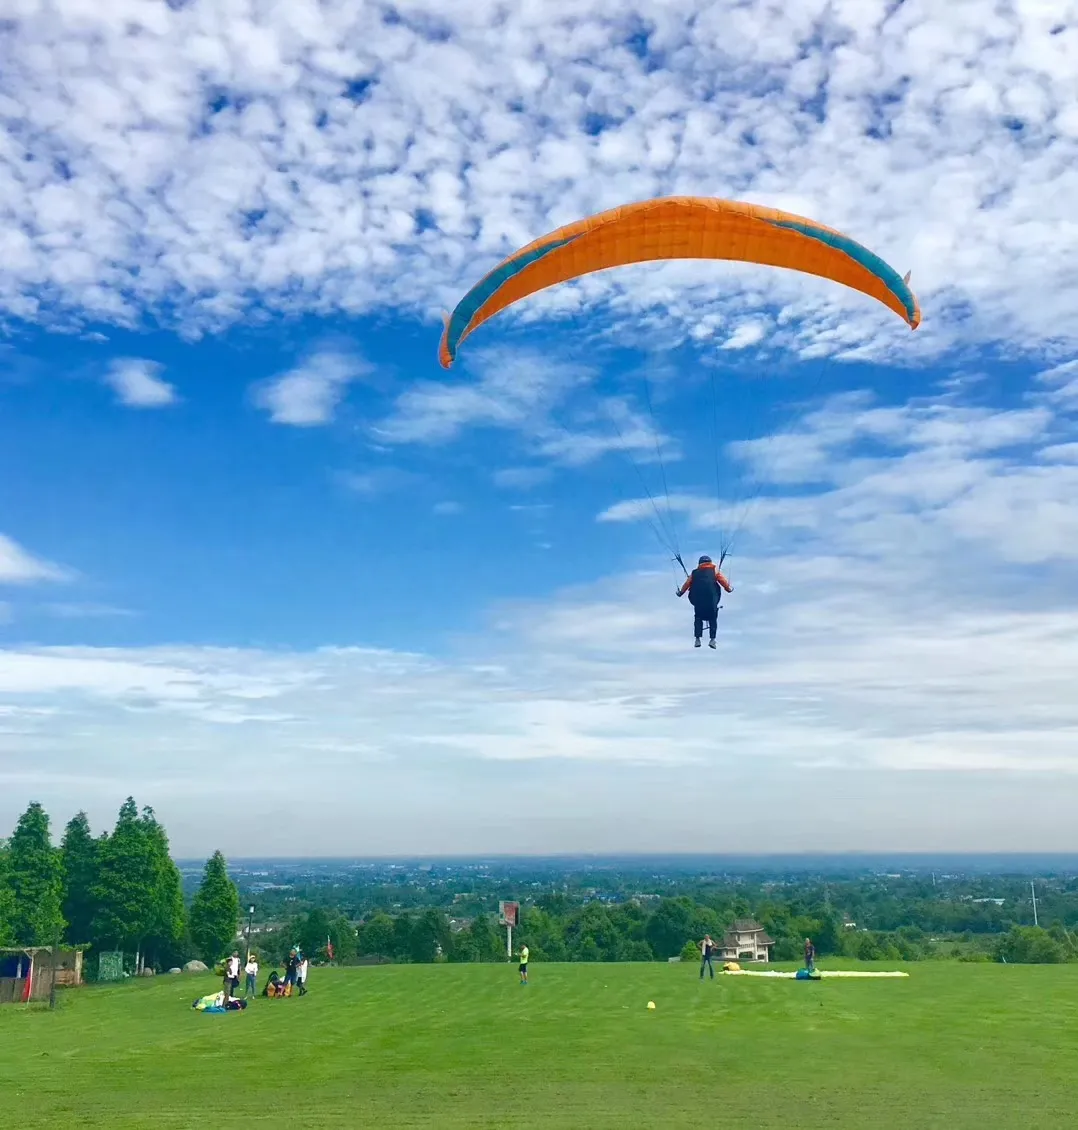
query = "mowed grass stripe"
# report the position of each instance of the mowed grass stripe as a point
(466, 1045)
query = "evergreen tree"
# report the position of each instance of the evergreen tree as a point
(312, 931)
(489, 945)
(344, 938)
(402, 938)
(214, 911)
(670, 927)
(320, 925)
(124, 892)
(168, 923)
(376, 935)
(78, 854)
(827, 937)
(429, 936)
(7, 899)
(35, 880)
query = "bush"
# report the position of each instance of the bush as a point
(639, 951)
(788, 949)
(690, 951)
(1030, 945)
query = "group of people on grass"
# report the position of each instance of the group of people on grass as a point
(295, 976)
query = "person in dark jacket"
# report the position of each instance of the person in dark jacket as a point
(704, 586)
(291, 969)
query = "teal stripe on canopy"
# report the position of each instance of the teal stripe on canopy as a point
(484, 290)
(870, 261)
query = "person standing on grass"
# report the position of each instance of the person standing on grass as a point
(232, 975)
(707, 950)
(291, 968)
(810, 956)
(251, 969)
(301, 977)
(523, 965)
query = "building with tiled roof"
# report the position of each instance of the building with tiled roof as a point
(746, 940)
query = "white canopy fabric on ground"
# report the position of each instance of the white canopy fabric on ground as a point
(821, 972)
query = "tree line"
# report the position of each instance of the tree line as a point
(556, 928)
(119, 890)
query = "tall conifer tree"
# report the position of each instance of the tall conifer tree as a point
(78, 854)
(215, 911)
(168, 926)
(35, 880)
(125, 891)
(7, 899)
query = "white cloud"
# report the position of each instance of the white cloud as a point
(942, 480)
(1060, 453)
(1063, 380)
(886, 695)
(365, 483)
(18, 566)
(204, 164)
(376, 481)
(308, 395)
(531, 394)
(137, 384)
(76, 610)
(806, 453)
(521, 478)
(745, 335)
(624, 429)
(515, 390)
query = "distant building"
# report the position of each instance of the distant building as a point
(746, 940)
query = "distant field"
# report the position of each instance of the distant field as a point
(464, 1045)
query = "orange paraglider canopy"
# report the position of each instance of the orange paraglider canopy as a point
(679, 227)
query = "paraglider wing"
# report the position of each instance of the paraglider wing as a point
(678, 227)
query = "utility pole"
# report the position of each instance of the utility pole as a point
(52, 986)
(250, 916)
(1033, 892)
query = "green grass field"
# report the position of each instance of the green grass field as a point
(464, 1045)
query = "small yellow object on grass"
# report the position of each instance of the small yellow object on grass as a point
(651, 1004)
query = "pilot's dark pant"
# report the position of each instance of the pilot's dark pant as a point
(709, 616)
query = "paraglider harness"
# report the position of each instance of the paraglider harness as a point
(718, 587)
(276, 987)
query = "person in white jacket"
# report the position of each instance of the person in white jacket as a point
(232, 976)
(301, 977)
(251, 969)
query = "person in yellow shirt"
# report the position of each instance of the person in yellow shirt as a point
(523, 965)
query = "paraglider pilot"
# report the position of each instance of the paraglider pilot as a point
(704, 586)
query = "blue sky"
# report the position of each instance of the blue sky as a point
(250, 528)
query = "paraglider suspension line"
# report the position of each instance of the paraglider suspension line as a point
(663, 526)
